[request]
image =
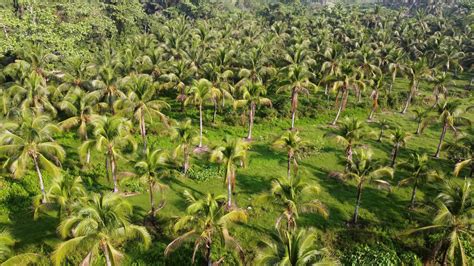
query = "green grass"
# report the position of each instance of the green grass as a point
(380, 209)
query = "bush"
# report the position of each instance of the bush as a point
(202, 174)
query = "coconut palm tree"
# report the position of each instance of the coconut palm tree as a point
(297, 80)
(107, 83)
(453, 222)
(440, 82)
(399, 139)
(66, 192)
(416, 71)
(206, 221)
(294, 196)
(363, 169)
(230, 155)
(465, 145)
(201, 91)
(349, 133)
(293, 248)
(185, 135)
(140, 101)
(350, 79)
(422, 117)
(31, 142)
(384, 124)
(420, 173)
(100, 226)
(450, 116)
(80, 105)
(151, 167)
(111, 136)
(252, 96)
(294, 145)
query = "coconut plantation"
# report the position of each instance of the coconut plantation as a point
(236, 132)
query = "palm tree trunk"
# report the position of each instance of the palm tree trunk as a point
(88, 154)
(215, 112)
(251, 115)
(418, 128)
(356, 210)
(441, 139)
(341, 106)
(40, 177)
(143, 130)
(380, 135)
(200, 125)
(106, 254)
(348, 155)
(208, 253)
(394, 154)
(288, 171)
(107, 167)
(152, 199)
(413, 195)
(410, 96)
(371, 115)
(229, 192)
(114, 172)
(186, 160)
(294, 100)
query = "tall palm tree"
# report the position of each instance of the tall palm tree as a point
(151, 167)
(294, 196)
(440, 83)
(453, 222)
(80, 106)
(349, 79)
(111, 136)
(32, 141)
(252, 96)
(450, 116)
(349, 133)
(140, 101)
(465, 145)
(107, 83)
(420, 174)
(201, 91)
(297, 80)
(206, 221)
(99, 226)
(294, 145)
(363, 169)
(230, 155)
(416, 72)
(293, 248)
(185, 135)
(399, 139)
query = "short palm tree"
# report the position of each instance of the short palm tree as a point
(293, 248)
(294, 196)
(140, 101)
(363, 169)
(230, 155)
(252, 96)
(399, 139)
(186, 136)
(207, 222)
(465, 144)
(422, 117)
(420, 174)
(201, 91)
(111, 136)
(294, 145)
(453, 222)
(151, 167)
(80, 106)
(29, 142)
(66, 192)
(416, 72)
(349, 133)
(450, 116)
(383, 125)
(99, 227)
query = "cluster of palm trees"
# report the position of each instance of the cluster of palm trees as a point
(234, 63)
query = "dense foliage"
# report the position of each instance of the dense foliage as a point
(236, 132)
